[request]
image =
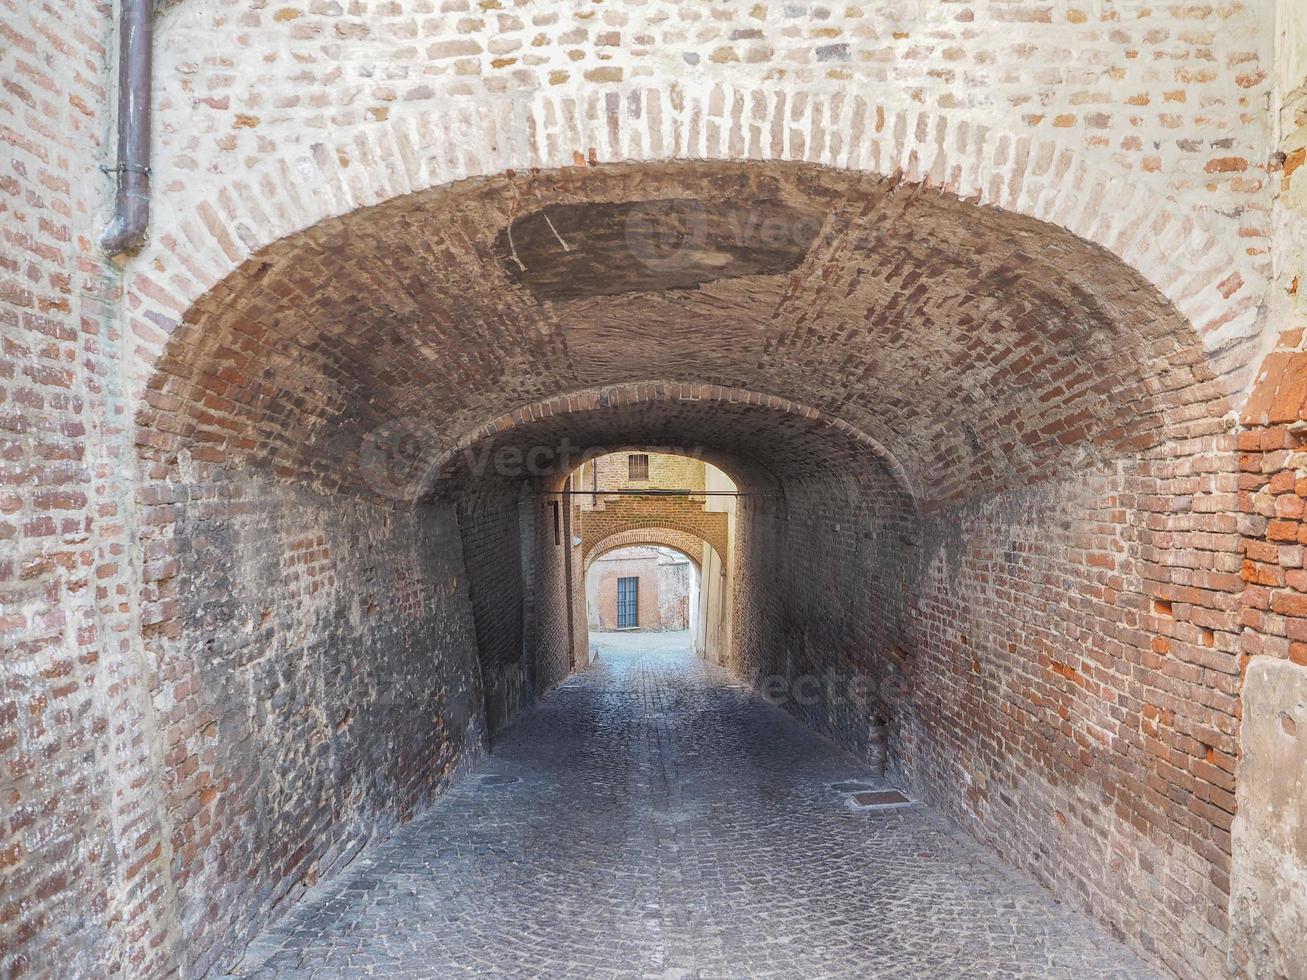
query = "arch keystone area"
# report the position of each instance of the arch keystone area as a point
(1169, 243)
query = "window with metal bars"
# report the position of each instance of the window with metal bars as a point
(637, 465)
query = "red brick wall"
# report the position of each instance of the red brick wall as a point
(84, 888)
(1073, 678)
(1058, 667)
(1269, 853)
(1273, 451)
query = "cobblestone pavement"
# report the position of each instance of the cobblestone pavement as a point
(653, 818)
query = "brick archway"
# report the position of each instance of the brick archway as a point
(208, 396)
(959, 404)
(651, 393)
(625, 517)
(988, 419)
(687, 543)
(1170, 244)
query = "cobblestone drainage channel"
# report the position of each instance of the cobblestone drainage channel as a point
(870, 795)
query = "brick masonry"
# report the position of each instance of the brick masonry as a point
(664, 471)
(972, 97)
(687, 544)
(235, 648)
(618, 515)
(82, 885)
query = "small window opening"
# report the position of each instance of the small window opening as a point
(558, 521)
(638, 466)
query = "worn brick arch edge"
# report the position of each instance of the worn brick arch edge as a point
(662, 537)
(645, 392)
(191, 250)
(650, 535)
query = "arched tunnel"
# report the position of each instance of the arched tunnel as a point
(955, 433)
(653, 489)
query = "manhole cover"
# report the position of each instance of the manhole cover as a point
(498, 779)
(882, 797)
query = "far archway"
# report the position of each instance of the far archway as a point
(663, 499)
(691, 594)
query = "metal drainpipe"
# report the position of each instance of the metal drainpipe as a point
(132, 205)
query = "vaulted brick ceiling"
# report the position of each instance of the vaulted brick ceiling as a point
(755, 445)
(981, 349)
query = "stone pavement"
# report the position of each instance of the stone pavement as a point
(653, 818)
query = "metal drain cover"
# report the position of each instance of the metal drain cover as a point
(851, 787)
(499, 779)
(881, 797)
